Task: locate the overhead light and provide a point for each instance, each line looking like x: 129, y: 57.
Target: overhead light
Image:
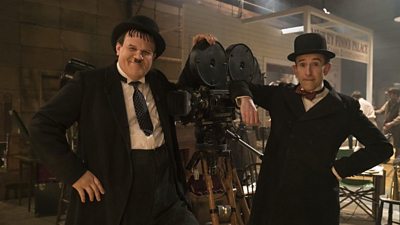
x: 292, y: 30
x: 397, y: 19
x: 326, y: 11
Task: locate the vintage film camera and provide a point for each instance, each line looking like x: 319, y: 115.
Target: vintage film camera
x: 205, y: 101
x: 204, y: 97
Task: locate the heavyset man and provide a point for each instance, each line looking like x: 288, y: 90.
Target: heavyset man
x: 127, y: 169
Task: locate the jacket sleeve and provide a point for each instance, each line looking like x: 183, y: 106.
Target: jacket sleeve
x: 48, y: 132
x: 261, y: 94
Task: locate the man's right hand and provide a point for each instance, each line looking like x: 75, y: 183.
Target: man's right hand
x: 248, y: 111
x: 88, y: 183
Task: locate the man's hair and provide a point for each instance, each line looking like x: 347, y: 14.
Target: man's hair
x: 137, y: 33
x: 394, y: 90
x: 356, y: 94
x: 326, y: 59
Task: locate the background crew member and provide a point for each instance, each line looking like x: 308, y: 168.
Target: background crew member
x: 391, y: 109
x: 366, y: 107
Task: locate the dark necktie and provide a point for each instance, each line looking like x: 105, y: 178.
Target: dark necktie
x: 142, y: 112
x: 306, y: 94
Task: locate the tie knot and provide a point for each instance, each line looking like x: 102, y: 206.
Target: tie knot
x: 135, y: 84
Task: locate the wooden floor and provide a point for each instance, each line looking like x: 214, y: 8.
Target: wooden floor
x: 13, y: 214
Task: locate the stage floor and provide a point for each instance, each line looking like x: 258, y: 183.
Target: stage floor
x: 13, y: 214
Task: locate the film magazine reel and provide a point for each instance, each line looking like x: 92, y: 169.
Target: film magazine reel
x: 218, y: 184
x: 213, y: 66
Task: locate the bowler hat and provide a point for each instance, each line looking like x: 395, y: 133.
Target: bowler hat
x: 141, y: 23
x: 310, y: 43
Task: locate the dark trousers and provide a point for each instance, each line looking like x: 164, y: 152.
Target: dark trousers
x: 153, y: 199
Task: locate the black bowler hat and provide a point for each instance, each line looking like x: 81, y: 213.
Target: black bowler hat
x: 310, y: 43
x: 141, y: 23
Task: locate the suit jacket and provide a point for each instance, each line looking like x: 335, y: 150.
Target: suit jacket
x: 296, y: 176
x: 95, y: 99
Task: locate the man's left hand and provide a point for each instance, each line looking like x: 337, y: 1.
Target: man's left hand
x: 211, y: 39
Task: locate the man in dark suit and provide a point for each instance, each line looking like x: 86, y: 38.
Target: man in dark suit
x: 127, y: 169
x: 299, y: 174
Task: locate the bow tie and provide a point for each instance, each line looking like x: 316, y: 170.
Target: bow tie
x: 306, y: 94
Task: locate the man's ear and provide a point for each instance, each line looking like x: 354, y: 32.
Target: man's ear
x: 117, y: 48
x: 327, y: 68
x: 294, y: 68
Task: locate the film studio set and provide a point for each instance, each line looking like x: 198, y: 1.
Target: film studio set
x: 197, y: 112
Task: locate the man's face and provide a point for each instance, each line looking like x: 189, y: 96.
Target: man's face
x: 310, y: 70
x: 135, y: 55
x: 393, y: 96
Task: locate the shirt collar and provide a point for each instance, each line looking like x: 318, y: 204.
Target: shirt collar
x: 128, y: 80
x: 320, y: 87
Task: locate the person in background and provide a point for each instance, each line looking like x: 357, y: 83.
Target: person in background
x: 366, y: 107
x: 127, y: 169
x: 368, y: 110
x: 309, y: 122
x: 391, y: 124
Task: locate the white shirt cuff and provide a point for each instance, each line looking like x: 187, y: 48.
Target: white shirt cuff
x: 239, y: 98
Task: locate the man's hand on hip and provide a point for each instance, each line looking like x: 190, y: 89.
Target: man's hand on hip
x: 89, y: 183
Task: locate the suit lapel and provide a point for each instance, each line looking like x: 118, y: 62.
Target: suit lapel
x: 115, y: 97
x: 328, y: 105
x: 159, y: 91
x: 294, y: 103
x: 156, y: 92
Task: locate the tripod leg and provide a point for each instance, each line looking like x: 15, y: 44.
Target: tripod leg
x: 211, y: 200
x: 242, y: 201
x: 235, y: 216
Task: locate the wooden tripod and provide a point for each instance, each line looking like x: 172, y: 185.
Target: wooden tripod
x: 239, y: 213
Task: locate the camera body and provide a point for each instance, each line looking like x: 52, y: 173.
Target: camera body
x: 205, y: 105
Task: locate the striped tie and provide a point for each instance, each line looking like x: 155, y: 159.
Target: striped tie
x: 142, y: 112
